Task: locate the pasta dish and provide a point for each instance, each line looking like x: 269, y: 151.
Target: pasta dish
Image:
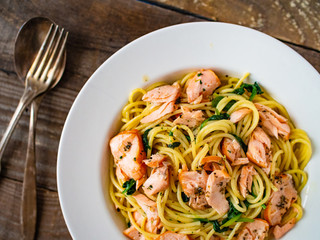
x: 207, y: 157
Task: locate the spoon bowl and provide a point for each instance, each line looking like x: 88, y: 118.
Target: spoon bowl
x: 28, y: 42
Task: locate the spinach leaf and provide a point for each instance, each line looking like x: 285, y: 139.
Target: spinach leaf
x: 242, y: 144
x: 253, y: 88
x: 174, y: 145
x: 184, y: 197
x: 231, y: 221
x: 229, y: 105
x: 145, y: 140
x: 129, y: 187
x: 216, y: 100
x: 215, y: 223
x: 215, y: 117
x: 217, y: 227
x: 188, y: 137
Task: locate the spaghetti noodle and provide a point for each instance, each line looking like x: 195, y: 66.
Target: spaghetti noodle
x: 185, y: 148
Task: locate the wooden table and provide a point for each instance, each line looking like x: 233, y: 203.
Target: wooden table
x: 97, y: 30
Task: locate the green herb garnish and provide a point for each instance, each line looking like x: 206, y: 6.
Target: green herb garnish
x: 145, y: 140
x: 184, y: 197
x: 231, y: 221
x: 129, y: 187
x: 253, y: 88
x: 188, y: 137
x: 174, y: 145
x: 216, y: 100
x: 240, y: 141
x: 170, y: 133
x: 215, y: 117
x: 229, y: 105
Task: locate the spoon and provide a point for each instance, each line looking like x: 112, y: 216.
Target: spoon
x: 28, y: 42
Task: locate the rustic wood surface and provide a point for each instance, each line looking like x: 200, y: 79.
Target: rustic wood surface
x: 97, y: 30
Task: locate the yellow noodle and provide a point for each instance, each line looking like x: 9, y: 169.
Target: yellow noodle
x: 288, y: 156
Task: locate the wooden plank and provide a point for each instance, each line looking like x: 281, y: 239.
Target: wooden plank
x: 50, y: 222
x: 295, y: 21
x: 97, y: 29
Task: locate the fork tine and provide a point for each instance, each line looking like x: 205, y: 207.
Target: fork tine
x: 59, y: 56
x: 35, y: 62
x: 46, y: 54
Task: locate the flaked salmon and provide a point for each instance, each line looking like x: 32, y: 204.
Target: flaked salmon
x: 121, y: 175
x: 231, y: 149
x: 168, y: 235
x: 272, y: 122
x: 240, y: 161
x: 149, y: 207
x: 149, y: 226
x: 194, y: 186
x: 133, y: 234
x: 211, y: 163
x: 245, y: 180
x: 189, y: 117
x: 127, y: 150
x: 163, y: 94
x: 257, y: 230
x: 236, y: 116
x: 215, y: 191
x: 279, y: 231
x: 259, y: 149
x: 165, y: 108
x: 158, y: 180
x: 201, y: 86
x: 280, y: 201
x: 155, y: 160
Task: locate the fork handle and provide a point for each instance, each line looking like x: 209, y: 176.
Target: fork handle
x: 28, y: 216
x: 27, y: 97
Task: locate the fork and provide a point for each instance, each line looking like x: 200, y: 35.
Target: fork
x: 39, y: 77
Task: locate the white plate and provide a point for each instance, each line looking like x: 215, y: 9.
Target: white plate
x: 226, y: 48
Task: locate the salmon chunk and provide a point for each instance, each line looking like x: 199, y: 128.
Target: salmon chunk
x: 215, y: 191
x: 231, y: 149
x: 165, y: 108
x: 194, y: 186
x: 189, y: 118
x: 281, y: 200
x: 211, y: 163
x: 149, y: 226
x: 278, y: 231
x: 201, y: 86
x: 245, y: 181
x: 168, y: 235
x: 121, y: 175
x: 163, y: 94
x: 158, y: 181
x: 149, y: 207
x: 133, y: 234
x: 259, y: 149
x: 240, y: 161
x: 272, y: 122
x: 257, y: 230
x: 127, y: 150
x: 236, y: 116
x: 155, y: 160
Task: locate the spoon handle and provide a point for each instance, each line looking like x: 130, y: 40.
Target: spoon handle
x: 29, y: 189
x: 27, y: 97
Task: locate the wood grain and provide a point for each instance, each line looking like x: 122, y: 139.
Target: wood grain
x: 295, y: 21
x: 97, y: 30
x: 50, y: 223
